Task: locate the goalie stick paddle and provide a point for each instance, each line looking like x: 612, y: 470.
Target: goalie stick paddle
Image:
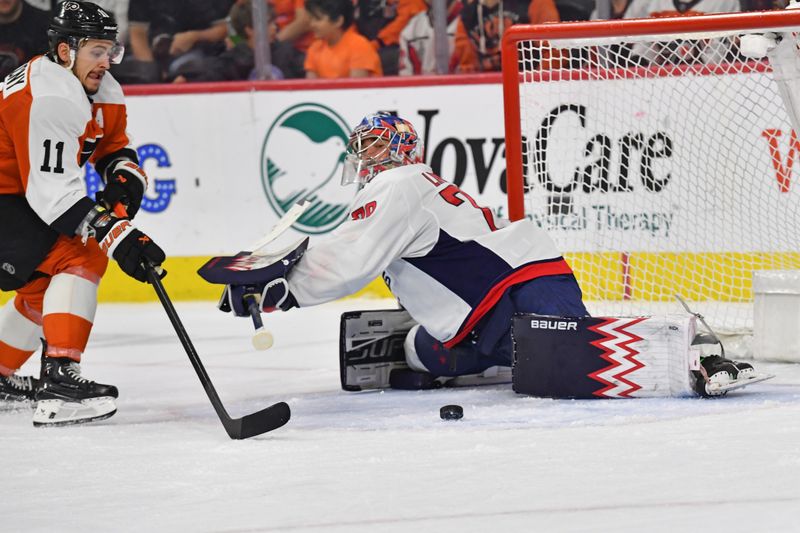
x: 245, y: 427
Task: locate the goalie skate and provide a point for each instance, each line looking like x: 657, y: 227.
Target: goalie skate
x: 720, y: 389
x: 718, y: 376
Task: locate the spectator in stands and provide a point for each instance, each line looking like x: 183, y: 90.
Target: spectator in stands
x: 481, y: 27
x: 339, y: 51
x: 710, y: 50
x: 575, y: 10
x: 171, y: 32
x: 763, y: 5
x: 417, y: 50
x: 238, y: 61
x: 23, y: 34
x: 631, y: 9
x: 381, y: 21
x: 292, y: 37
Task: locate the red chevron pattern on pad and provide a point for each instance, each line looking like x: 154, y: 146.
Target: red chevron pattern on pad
x: 617, y: 346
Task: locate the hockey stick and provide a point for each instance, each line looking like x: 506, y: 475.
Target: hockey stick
x: 245, y: 427
x: 248, y: 426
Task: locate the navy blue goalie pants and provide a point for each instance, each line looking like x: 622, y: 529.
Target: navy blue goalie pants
x: 489, y: 344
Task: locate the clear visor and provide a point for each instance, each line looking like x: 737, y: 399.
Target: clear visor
x: 98, y: 50
x: 364, y: 158
x: 353, y: 170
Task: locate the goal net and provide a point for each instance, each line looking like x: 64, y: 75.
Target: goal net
x: 659, y: 155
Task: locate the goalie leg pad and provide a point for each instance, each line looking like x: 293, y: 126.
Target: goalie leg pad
x: 381, y: 349
x: 604, y: 357
x: 371, y: 346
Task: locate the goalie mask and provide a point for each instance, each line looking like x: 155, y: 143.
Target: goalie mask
x: 381, y: 141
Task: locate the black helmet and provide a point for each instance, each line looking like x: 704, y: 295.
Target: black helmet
x: 74, y: 21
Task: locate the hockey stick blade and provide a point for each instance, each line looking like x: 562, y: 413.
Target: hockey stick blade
x: 263, y: 421
x: 245, y: 427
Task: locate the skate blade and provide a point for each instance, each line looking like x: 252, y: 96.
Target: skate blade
x: 718, y: 389
x: 15, y: 403
x: 62, y: 413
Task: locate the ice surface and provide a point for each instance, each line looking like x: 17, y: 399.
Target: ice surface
x: 384, y: 461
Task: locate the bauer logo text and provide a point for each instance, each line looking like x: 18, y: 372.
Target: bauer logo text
x: 554, y: 324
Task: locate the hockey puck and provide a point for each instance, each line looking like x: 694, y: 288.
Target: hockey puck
x: 451, y: 412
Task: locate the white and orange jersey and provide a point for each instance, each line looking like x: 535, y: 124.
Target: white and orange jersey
x: 50, y: 128
x: 446, y: 259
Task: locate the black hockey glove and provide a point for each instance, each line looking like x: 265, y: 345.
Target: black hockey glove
x: 120, y: 240
x: 125, y: 184
x: 270, y: 297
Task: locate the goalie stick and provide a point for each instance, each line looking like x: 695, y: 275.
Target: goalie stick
x: 265, y: 420
x: 285, y: 222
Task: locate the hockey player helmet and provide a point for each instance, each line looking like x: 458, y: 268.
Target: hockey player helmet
x: 379, y: 142
x: 74, y: 22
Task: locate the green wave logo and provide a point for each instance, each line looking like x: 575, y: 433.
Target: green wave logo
x: 301, y: 158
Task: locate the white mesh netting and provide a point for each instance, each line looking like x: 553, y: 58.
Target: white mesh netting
x: 661, y: 166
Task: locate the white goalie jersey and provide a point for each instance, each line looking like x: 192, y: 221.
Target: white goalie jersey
x: 446, y: 259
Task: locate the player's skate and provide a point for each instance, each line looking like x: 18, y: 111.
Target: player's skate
x: 64, y: 397
x: 17, y: 391
x: 718, y: 375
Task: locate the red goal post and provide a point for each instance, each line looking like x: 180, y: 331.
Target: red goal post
x: 665, y: 166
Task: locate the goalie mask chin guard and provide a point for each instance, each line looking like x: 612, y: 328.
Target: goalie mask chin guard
x: 379, y: 142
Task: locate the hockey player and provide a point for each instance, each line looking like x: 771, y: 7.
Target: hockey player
x: 462, y: 274
x: 57, y: 112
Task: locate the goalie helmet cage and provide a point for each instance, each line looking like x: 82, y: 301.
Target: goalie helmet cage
x: 658, y: 156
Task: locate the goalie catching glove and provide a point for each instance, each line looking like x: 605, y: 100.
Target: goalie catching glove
x: 269, y: 296
x: 119, y: 239
x: 125, y: 184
